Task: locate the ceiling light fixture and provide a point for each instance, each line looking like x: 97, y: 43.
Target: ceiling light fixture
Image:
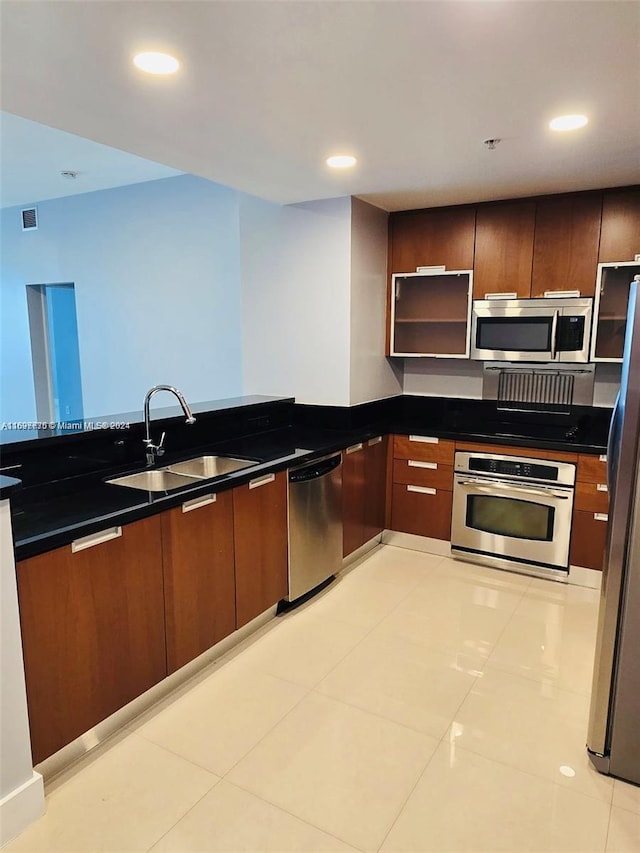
x: 341, y: 161
x: 156, y: 63
x: 572, y: 122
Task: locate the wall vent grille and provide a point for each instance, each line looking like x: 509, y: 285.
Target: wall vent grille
x: 30, y: 219
x: 535, y: 387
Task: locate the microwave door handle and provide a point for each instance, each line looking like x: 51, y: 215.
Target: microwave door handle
x: 554, y: 335
x: 485, y: 487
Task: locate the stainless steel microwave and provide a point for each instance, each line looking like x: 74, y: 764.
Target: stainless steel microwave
x: 531, y: 329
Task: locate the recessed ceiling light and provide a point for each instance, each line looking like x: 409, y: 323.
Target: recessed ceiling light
x: 341, y: 161
x: 156, y: 63
x: 572, y: 122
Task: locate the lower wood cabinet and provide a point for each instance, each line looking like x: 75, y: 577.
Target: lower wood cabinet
x: 363, y: 492
x: 93, y: 635
x: 199, y: 576
x: 422, y: 490
x: 588, y: 539
x: 261, y: 545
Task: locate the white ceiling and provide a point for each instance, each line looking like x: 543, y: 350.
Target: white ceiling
x: 34, y: 155
x: 268, y: 89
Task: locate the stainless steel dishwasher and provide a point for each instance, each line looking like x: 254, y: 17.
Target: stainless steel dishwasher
x: 315, y: 524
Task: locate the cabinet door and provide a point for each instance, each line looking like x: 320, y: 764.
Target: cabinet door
x: 92, y: 631
x: 353, y: 496
x: 261, y: 545
x: 421, y: 510
x: 430, y: 314
x: 504, y: 248
x: 199, y: 577
x: 565, y: 251
x: 612, y: 300
x: 375, y: 487
x: 588, y: 539
x: 620, y: 234
x: 435, y: 237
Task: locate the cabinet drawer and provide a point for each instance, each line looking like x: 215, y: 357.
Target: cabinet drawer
x: 420, y: 512
x: 417, y: 472
x: 588, y: 539
x: 591, y: 497
x: 592, y: 469
x: 423, y: 448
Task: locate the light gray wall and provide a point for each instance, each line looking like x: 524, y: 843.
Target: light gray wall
x: 295, y: 263
x: 156, y: 268
x: 373, y: 375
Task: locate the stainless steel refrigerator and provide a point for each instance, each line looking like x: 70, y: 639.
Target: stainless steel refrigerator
x: 613, y: 740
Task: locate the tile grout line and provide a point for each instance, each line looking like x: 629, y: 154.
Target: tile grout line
x: 182, y: 817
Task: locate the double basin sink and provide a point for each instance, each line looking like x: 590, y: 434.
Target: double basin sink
x: 182, y: 474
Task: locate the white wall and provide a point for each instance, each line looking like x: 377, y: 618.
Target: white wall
x: 373, y: 375
x: 21, y: 789
x: 295, y: 266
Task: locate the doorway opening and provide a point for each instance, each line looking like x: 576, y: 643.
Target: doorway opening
x: 55, y: 352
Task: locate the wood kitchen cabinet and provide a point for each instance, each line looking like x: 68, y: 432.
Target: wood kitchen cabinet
x: 442, y: 236
x: 610, y: 320
x: 566, y: 242
x: 422, y: 490
x: 429, y: 314
x: 590, y: 513
x: 261, y: 545
x: 504, y: 248
x: 93, y: 634
x: 363, y: 492
x: 199, y: 576
x: 620, y: 233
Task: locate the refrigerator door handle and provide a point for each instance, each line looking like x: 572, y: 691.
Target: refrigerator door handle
x: 612, y: 444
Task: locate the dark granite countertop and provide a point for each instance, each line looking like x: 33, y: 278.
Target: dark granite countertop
x: 50, y: 514
x: 8, y: 486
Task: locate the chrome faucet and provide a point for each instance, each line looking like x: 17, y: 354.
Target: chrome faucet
x: 155, y: 450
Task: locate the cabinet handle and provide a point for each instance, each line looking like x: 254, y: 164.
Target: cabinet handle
x: 602, y: 487
x: 414, y: 463
x: 510, y: 295
x: 423, y: 490
x: 602, y: 457
x: 354, y: 448
x: 261, y: 481
x: 95, y: 539
x: 600, y: 516
x: 196, y: 503
x: 373, y: 441
x: 425, y: 439
x: 560, y: 294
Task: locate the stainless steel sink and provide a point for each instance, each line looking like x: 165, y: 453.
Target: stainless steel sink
x: 182, y: 474
x: 205, y: 467
x: 160, y: 480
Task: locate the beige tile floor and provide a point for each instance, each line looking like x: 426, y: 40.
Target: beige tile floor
x: 418, y: 704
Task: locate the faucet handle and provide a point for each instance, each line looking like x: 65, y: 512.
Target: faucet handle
x: 160, y: 447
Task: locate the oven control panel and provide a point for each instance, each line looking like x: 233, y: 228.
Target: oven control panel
x: 528, y: 470
x: 521, y: 468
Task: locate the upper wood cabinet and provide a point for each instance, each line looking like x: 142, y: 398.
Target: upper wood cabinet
x: 441, y: 236
x: 199, y: 577
x: 261, y: 545
x: 92, y: 619
x: 565, y: 250
x: 620, y: 236
x: 430, y: 314
x: 504, y: 248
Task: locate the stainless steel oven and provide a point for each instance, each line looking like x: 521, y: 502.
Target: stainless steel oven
x: 513, y: 512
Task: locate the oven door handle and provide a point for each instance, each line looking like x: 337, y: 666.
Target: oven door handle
x: 486, y: 487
